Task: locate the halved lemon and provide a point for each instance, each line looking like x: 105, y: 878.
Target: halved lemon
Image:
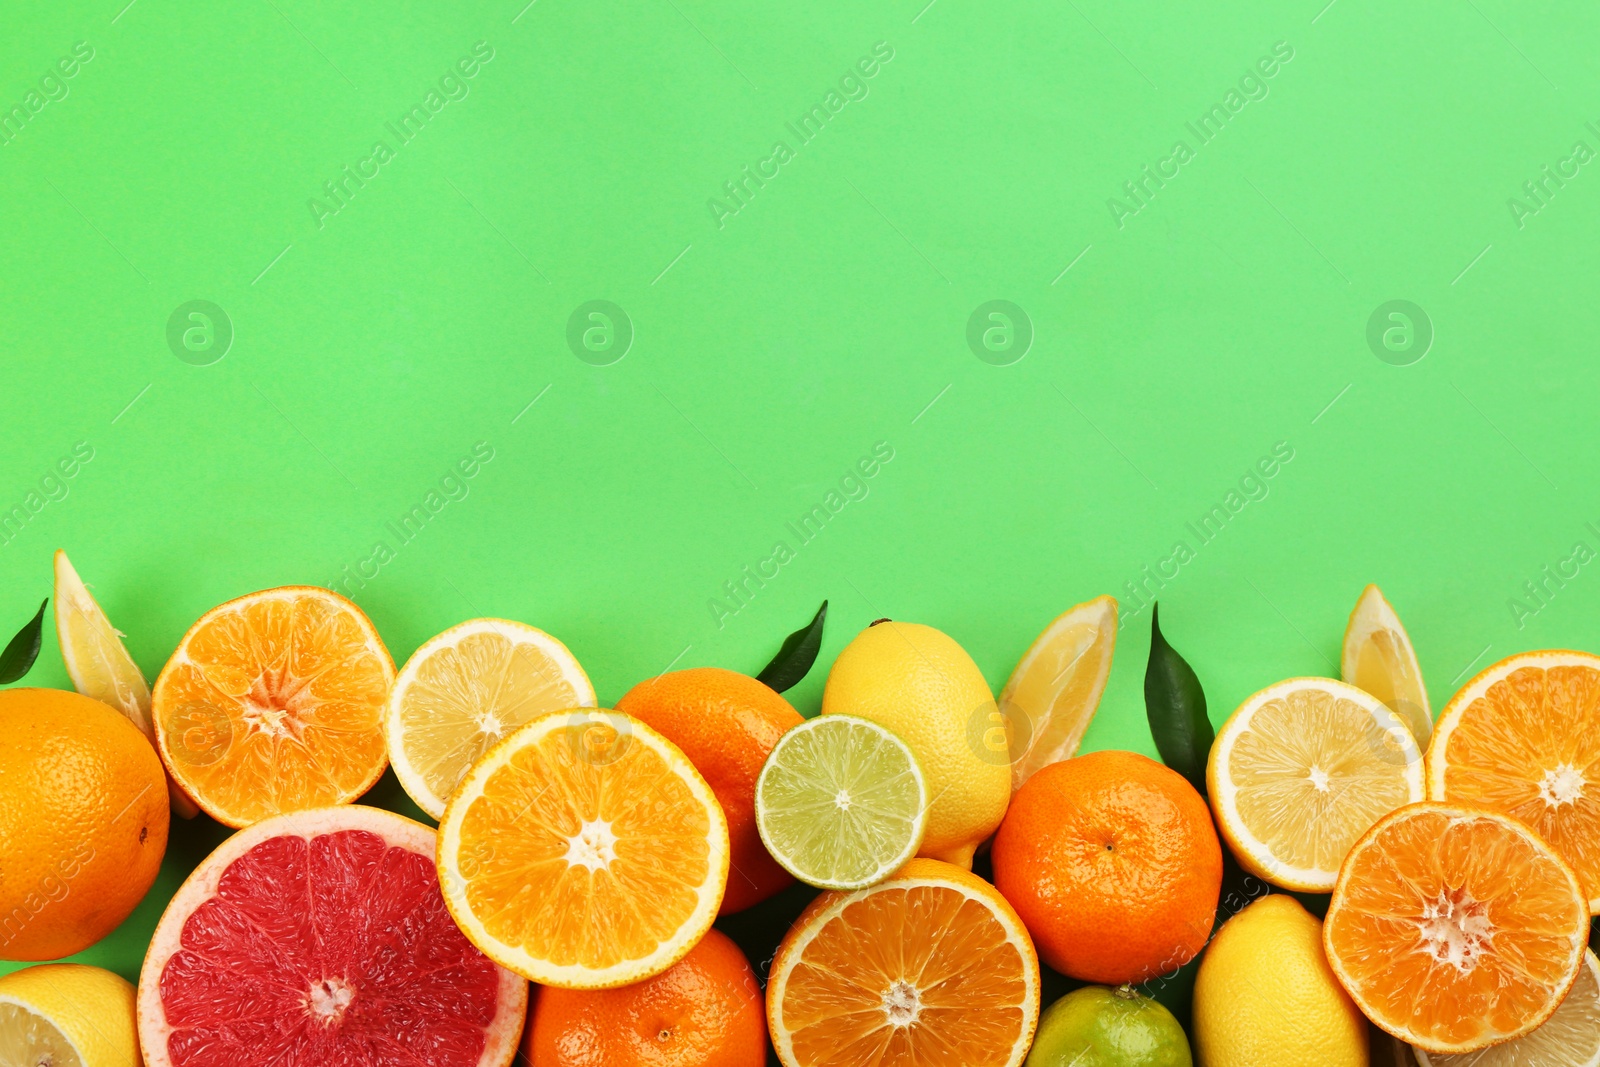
x: 1301, y: 770
x: 931, y: 968
x: 1569, y: 1038
x: 99, y: 665
x: 1378, y: 658
x: 67, y: 1015
x: 841, y: 802
x: 584, y: 851
x: 1523, y: 738
x: 273, y: 703
x: 1455, y: 928
x: 465, y: 690
x: 1052, y: 694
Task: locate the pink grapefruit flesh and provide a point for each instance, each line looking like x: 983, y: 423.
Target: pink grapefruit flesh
x: 320, y: 939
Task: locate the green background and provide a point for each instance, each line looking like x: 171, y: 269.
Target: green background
x: 1173, y: 348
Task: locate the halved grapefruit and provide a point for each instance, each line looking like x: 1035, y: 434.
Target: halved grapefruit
x: 321, y: 938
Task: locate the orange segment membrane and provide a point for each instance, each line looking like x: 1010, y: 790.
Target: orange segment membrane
x: 1456, y: 927
x: 276, y: 707
x: 585, y: 849
x: 917, y: 977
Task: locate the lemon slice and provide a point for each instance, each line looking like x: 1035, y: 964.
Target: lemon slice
x: 464, y: 691
x: 584, y: 851
x: 1301, y: 770
x: 1378, y: 657
x: 841, y: 802
x: 67, y: 1015
x: 1569, y: 1038
x: 1052, y: 695
x: 99, y: 665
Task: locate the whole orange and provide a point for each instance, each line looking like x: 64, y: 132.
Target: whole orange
x: 703, y: 1011
x: 83, y: 821
x: 726, y: 723
x: 1113, y: 863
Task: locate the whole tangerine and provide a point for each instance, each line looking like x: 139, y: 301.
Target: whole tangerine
x: 1114, y: 865
x: 726, y: 723
x: 83, y: 821
x: 703, y: 1011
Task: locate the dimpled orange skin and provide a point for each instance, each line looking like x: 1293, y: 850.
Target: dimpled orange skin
x: 726, y: 723
x: 703, y: 1011
x: 83, y: 821
x: 1113, y: 863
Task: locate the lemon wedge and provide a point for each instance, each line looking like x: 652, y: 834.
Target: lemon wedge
x: 1378, y: 658
x: 1052, y: 695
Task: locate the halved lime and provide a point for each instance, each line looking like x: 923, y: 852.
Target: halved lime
x: 841, y: 802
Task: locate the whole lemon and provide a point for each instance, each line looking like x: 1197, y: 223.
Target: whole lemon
x: 68, y: 1013
x: 922, y: 685
x: 1266, y: 997
x: 83, y: 821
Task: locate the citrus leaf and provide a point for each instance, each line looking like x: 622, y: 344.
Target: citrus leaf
x: 797, y: 655
x: 1176, y: 707
x: 18, y: 657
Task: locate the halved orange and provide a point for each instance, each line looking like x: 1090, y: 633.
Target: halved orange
x: 273, y: 703
x: 1523, y: 737
x: 584, y: 851
x: 1455, y: 928
x: 931, y: 968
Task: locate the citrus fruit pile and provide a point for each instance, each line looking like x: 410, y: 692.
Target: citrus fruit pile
x: 924, y: 859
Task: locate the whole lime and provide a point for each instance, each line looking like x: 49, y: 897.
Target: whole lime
x: 1099, y: 1027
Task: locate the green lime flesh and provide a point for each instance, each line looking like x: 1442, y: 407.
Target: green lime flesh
x: 1099, y: 1027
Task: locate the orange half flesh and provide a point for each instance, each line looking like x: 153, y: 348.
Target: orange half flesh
x: 273, y: 703
x: 1455, y: 929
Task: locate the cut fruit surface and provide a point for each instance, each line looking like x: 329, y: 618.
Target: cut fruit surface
x: 464, y: 691
x: 1379, y: 659
x: 841, y: 802
x: 274, y: 703
x: 99, y: 664
x: 1455, y: 928
x: 584, y: 851
x: 931, y: 968
x: 321, y: 938
x: 1570, y: 1038
x: 67, y: 1015
x: 1052, y: 694
x: 1523, y: 737
x: 1301, y: 770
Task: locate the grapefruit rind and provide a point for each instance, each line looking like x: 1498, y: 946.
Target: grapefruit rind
x: 411, y: 779
x: 1437, y: 759
x: 1255, y: 855
x: 918, y: 873
x: 397, y: 831
x: 576, y: 976
x: 180, y: 659
x: 1337, y: 902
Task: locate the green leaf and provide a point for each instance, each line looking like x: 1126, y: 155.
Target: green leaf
x: 19, y: 655
x: 1176, y: 706
x: 797, y: 655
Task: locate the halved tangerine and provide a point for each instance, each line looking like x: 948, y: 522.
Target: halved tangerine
x: 1455, y: 928
x: 1523, y: 737
x: 584, y: 851
x: 320, y: 938
x: 931, y: 968
x: 274, y: 703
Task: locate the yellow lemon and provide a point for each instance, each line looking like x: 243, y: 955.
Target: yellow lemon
x: 1266, y: 997
x: 67, y: 1014
x: 923, y: 686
